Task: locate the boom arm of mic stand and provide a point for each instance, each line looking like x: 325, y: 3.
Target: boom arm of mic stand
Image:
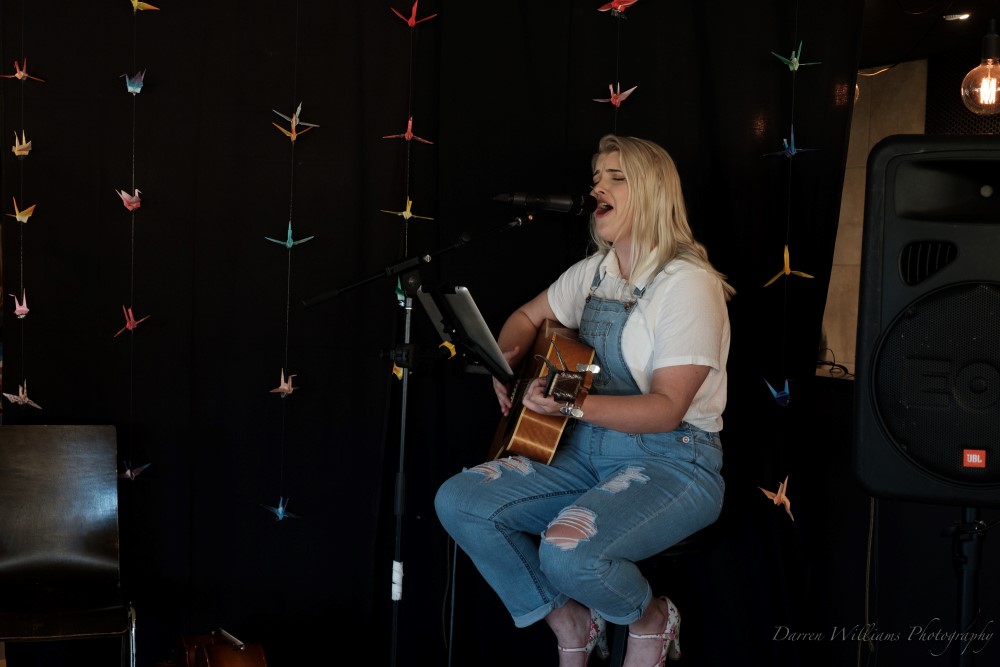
x: 393, y: 269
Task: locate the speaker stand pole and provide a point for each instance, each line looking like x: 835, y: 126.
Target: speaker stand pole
x: 967, y: 549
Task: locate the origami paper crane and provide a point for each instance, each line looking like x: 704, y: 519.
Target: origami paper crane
x: 412, y: 21
x: 616, y: 97
x: 141, y: 6
x: 617, y: 7
x: 281, y: 512
x: 22, y: 396
x: 132, y: 201
x: 130, y: 322
x: 790, y: 150
x: 289, y: 242
x: 294, y: 132
x: 284, y: 388
x: 21, y: 73
x: 21, y: 148
x: 22, y: 216
x: 781, y: 397
x: 131, y: 473
x: 780, y: 498
x: 408, y: 134
x: 787, y: 270
x: 793, y: 60
x: 20, y: 307
x: 133, y: 84
x: 406, y: 215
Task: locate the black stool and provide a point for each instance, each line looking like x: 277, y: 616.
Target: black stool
x: 695, y: 543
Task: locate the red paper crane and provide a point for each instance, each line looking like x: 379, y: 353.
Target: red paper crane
x: 412, y: 21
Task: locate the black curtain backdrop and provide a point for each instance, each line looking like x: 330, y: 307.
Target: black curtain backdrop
x: 504, y: 92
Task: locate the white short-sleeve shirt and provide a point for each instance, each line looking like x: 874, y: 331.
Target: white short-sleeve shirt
x: 682, y: 318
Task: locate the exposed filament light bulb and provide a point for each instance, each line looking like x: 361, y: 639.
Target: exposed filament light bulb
x: 979, y: 87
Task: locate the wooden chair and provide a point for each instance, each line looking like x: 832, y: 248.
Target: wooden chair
x: 60, y: 575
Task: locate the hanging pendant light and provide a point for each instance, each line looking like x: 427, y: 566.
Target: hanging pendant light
x: 979, y: 87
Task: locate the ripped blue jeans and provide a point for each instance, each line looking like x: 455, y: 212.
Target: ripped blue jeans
x: 630, y: 496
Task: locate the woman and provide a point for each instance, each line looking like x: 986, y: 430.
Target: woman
x: 638, y: 467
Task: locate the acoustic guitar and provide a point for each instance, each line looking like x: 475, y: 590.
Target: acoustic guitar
x: 527, y: 433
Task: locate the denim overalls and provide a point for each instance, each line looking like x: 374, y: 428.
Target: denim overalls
x: 633, y: 495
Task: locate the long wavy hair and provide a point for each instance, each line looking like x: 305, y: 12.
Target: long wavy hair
x: 660, y: 229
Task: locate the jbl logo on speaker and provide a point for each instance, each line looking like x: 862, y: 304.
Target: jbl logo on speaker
x: 974, y: 458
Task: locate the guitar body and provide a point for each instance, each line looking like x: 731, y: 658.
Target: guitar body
x: 526, y: 433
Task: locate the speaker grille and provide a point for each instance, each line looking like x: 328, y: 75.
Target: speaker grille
x: 936, y: 382
x: 922, y: 259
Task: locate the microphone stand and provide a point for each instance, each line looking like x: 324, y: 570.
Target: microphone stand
x: 408, y: 271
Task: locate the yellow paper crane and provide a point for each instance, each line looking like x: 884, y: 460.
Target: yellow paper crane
x: 21, y: 147
x: 787, y: 271
x: 407, y: 214
x: 22, y: 216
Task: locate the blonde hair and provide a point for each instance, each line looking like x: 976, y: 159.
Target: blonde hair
x: 660, y: 229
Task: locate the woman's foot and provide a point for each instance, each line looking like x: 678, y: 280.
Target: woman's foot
x: 579, y: 632
x: 655, y: 637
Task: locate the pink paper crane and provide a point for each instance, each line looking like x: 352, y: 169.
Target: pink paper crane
x: 130, y: 322
x: 138, y: 6
x: 21, y: 73
x: 780, y: 498
x: 787, y: 270
x: 413, y: 21
x: 408, y: 135
x: 22, y: 396
x: 285, y: 387
x: 132, y: 201
x: 20, y: 307
x: 616, y: 97
x: 617, y: 7
x: 22, y: 216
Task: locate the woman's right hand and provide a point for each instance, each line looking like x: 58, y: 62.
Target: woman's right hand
x: 502, y: 390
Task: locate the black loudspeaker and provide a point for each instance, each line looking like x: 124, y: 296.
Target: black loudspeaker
x: 927, y: 373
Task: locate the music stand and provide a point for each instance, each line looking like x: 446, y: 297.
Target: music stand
x: 457, y: 319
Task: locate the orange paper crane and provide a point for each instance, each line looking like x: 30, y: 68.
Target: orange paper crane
x: 407, y: 135
x: 787, y: 270
x: 294, y: 132
x: 780, y: 498
x: 413, y: 21
x: 21, y: 73
x: 138, y: 6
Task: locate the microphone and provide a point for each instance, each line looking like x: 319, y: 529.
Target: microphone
x: 572, y: 204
